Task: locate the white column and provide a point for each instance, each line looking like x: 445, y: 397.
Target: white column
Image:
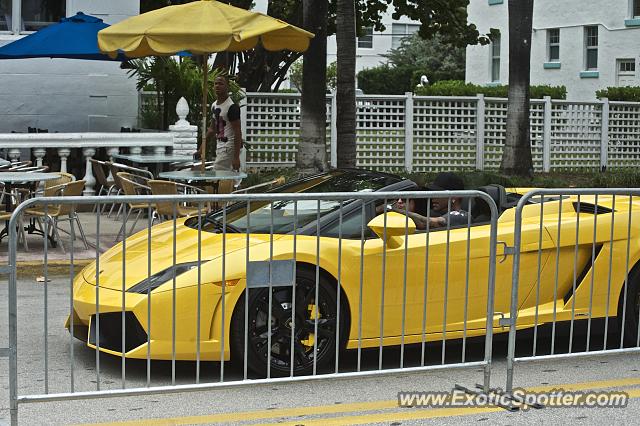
x: 39, y: 153
x: 604, y: 137
x: 408, y: 132
x: 63, y: 153
x: 135, y: 150
x: 480, y: 122
x: 158, y: 150
x: 89, y: 180
x: 14, y: 155
x: 546, y: 139
x: 110, y: 153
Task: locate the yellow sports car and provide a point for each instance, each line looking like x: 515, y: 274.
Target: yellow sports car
x: 161, y: 298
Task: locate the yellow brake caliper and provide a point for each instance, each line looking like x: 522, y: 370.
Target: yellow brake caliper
x: 308, y: 342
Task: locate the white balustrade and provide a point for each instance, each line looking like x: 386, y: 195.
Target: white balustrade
x: 39, y: 153
x: 64, y: 153
x: 89, y: 180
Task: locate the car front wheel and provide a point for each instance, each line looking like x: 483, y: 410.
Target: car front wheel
x: 291, y: 331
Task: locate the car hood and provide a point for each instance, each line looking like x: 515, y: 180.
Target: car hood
x: 137, y: 266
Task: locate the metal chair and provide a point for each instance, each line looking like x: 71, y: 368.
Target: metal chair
x: 106, y: 186
x: 133, y: 185
x: 116, y: 168
x: 57, y: 212
x: 166, y: 209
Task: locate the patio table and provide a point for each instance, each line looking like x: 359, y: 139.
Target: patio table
x: 202, y: 177
x: 12, y: 179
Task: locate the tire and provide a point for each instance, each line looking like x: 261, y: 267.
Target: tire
x: 630, y: 324
x: 281, y: 327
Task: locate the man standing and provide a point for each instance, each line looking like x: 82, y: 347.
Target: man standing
x: 225, y: 125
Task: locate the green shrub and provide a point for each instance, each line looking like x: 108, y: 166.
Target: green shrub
x: 386, y: 80
x: 628, y: 93
x: 460, y: 88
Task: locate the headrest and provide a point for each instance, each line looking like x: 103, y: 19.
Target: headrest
x: 497, y: 193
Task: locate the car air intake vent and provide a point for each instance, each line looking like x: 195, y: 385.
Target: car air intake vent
x: 590, y: 208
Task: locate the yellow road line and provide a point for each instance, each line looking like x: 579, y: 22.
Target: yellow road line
x: 359, y: 406
x: 415, y: 414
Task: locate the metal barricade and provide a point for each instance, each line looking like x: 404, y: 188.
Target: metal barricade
x: 575, y: 274
x: 287, y: 286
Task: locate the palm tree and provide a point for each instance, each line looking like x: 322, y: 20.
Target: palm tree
x: 516, y: 158
x: 346, y: 85
x: 311, y: 156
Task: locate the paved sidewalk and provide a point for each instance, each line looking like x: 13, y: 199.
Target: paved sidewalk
x: 109, y: 227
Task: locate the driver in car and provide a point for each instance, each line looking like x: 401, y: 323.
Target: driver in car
x: 442, y: 212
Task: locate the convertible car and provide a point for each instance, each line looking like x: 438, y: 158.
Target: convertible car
x: 259, y: 247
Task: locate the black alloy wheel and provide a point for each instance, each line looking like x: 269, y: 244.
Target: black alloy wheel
x: 285, y: 323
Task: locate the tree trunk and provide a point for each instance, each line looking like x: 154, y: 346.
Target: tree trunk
x: 311, y: 156
x: 346, y: 82
x: 516, y: 158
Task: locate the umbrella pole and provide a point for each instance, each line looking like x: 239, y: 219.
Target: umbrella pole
x: 205, y: 90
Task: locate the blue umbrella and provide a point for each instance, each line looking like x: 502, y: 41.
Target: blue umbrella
x: 75, y: 37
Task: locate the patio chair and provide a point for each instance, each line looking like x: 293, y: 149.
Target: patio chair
x: 60, y: 212
x: 133, y: 185
x: 106, y: 186
x: 116, y: 168
x: 166, y: 209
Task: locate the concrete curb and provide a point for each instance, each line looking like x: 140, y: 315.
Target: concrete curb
x: 54, y: 267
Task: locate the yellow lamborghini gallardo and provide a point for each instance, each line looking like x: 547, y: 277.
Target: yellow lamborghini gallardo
x: 348, y: 282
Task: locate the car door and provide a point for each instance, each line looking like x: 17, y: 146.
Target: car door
x: 451, y: 278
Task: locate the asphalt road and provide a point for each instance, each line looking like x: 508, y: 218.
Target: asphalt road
x: 347, y: 401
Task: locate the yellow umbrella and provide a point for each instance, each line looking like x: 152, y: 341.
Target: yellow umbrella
x: 200, y: 27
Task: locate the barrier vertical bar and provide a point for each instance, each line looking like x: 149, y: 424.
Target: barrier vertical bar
x: 13, y: 322
x: 513, y: 311
x: 480, y: 119
x: 488, y: 345
x: 408, y: 132
x: 426, y: 284
x: 362, y: 212
x: 46, y: 296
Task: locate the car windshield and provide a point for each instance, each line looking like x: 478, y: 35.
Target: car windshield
x: 281, y: 213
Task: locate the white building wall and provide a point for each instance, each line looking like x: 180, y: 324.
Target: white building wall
x: 382, y: 43
x: 617, y: 39
x: 67, y: 95
x: 365, y: 58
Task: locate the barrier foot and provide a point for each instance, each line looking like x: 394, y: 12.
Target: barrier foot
x: 513, y: 398
x: 492, y: 397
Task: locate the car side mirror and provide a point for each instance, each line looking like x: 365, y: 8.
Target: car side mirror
x: 397, y: 227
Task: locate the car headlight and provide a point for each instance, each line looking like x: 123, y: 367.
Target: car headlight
x: 156, y: 280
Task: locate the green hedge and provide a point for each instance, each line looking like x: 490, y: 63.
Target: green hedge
x: 460, y: 88
x: 628, y: 94
x: 386, y: 80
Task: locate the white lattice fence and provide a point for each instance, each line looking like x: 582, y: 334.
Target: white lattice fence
x: 272, y: 129
x: 495, y: 132
x: 495, y: 124
x: 623, y: 150
x: 441, y: 133
x: 576, y: 131
x: 380, y: 132
x: 444, y: 133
